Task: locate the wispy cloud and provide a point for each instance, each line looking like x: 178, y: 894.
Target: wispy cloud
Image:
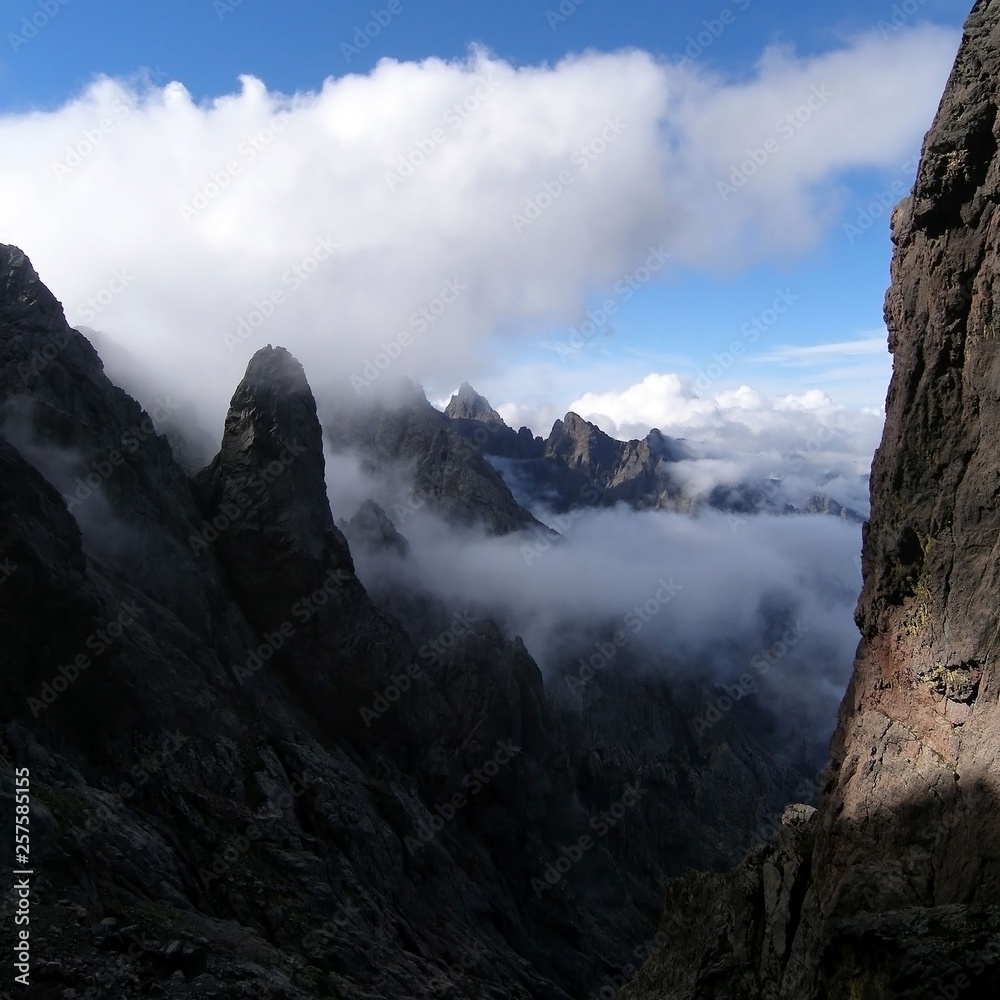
x: 824, y: 354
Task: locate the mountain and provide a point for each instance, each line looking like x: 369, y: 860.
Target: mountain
x: 579, y: 465
x: 443, y: 469
x: 250, y: 776
x: 467, y: 404
x: 892, y: 888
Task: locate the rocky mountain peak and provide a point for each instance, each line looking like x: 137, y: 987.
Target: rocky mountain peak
x: 20, y: 285
x: 467, y: 404
x: 373, y: 529
x: 276, y: 369
x: 268, y: 483
x: 273, y: 406
x: 37, y: 346
x: 660, y: 446
x: 584, y: 446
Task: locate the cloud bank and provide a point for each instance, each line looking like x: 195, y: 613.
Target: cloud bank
x: 694, y: 596
x: 463, y: 204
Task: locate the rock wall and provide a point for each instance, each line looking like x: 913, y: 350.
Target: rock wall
x: 903, y: 856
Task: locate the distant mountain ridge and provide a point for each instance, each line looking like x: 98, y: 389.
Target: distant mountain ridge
x: 471, y: 465
x: 579, y: 464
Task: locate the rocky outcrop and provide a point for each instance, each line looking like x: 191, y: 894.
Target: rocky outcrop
x: 406, y: 437
x: 467, y: 404
x: 739, y: 926
x: 472, y: 417
x: 914, y: 753
x: 584, y: 447
x: 371, y: 528
x: 903, y: 899
x: 820, y: 503
x: 578, y: 465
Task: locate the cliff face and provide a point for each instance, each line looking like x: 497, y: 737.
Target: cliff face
x: 916, y: 748
x: 893, y: 887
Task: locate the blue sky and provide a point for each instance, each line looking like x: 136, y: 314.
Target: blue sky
x: 294, y: 45
x: 723, y: 275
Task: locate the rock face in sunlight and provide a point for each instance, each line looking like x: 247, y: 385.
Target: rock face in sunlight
x: 250, y: 778
x: 892, y: 889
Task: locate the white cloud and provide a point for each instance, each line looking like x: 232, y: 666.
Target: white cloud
x: 823, y: 354
x: 730, y: 581
x: 98, y: 188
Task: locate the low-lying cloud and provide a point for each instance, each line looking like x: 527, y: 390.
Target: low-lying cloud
x: 700, y: 596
